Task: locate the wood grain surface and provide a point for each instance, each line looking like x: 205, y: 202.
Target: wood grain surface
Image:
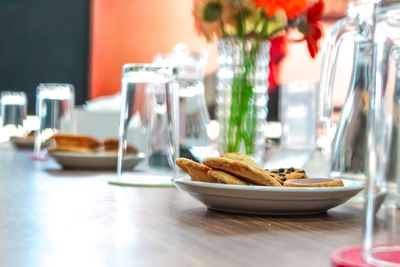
x: 52, y: 217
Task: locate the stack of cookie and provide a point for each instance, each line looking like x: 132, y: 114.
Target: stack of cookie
x: 239, y: 169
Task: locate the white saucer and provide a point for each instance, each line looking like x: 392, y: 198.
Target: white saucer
x: 94, y: 161
x: 22, y: 142
x: 268, y: 200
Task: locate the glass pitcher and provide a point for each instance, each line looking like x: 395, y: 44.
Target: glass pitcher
x: 347, y: 150
x: 193, y: 115
x: 357, y: 12
x: 348, y: 145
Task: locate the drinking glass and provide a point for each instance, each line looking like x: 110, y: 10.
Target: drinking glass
x: 55, y: 111
x: 148, y: 121
x: 381, y: 243
x: 298, y: 108
x: 13, y: 109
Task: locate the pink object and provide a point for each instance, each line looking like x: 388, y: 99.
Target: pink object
x: 38, y: 157
x: 388, y: 253
x: 351, y: 256
x: 348, y: 257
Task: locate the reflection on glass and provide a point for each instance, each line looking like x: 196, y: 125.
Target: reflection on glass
x: 54, y: 108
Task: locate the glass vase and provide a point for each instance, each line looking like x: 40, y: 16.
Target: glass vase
x: 242, y: 95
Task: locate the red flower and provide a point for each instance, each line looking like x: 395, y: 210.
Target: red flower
x: 313, y: 29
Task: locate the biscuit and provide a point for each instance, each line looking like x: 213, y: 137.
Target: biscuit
x: 241, y: 170
x: 314, y: 182
x: 224, y: 177
x: 197, y: 171
x: 72, y: 140
x: 284, y: 174
x: 112, y: 145
x: 73, y: 149
x: 241, y: 157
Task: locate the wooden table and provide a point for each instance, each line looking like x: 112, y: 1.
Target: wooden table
x: 51, y: 217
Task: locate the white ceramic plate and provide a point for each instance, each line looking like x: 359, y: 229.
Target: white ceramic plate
x: 24, y: 142
x: 94, y: 161
x: 268, y: 200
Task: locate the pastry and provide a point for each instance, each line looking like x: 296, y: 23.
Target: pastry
x: 241, y: 157
x: 112, y: 145
x: 72, y: 140
x: 225, y: 178
x: 314, y: 182
x: 241, y: 170
x: 197, y: 171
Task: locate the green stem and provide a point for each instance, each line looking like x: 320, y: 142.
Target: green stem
x: 222, y: 27
x: 251, y: 114
x: 234, y: 116
x: 242, y: 121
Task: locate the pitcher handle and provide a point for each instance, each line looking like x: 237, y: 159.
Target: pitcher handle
x: 341, y: 29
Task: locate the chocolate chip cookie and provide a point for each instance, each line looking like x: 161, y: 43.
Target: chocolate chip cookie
x: 284, y: 174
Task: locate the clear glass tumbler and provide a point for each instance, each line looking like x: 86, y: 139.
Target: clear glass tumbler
x: 55, y: 111
x: 13, y: 110
x: 149, y: 122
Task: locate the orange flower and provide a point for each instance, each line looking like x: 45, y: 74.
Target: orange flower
x: 292, y: 8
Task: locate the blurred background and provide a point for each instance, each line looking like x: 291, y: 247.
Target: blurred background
x: 86, y: 42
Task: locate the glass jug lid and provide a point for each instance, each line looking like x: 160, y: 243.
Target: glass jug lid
x: 187, y: 65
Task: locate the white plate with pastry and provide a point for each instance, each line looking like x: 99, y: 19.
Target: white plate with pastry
x: 73, y: 151
x: 23, y: 142
x: 268, y: 200
x: 26, y: 142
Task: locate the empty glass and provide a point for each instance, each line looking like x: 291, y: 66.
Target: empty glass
x: 55, y: 111
x: 381, y: 244
x: 298, y: 110
x: 13, y: 110
x: 148, y: 121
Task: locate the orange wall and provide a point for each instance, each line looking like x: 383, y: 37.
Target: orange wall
x: 134, y: 31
